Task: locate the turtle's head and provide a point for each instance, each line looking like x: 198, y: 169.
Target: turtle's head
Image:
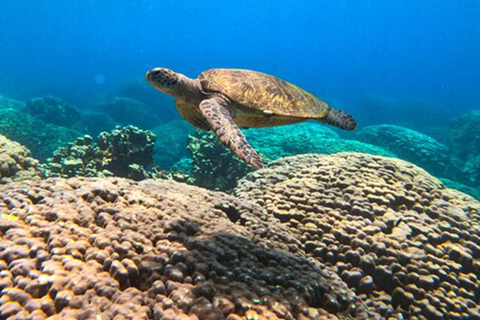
x: 164, y: 80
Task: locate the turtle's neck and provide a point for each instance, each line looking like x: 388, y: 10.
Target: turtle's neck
x: 189, y: 90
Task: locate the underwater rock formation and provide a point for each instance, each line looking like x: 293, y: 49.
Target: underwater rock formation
x: 465, y: 135
x: 53, y: 110
x: 41, y: 138
x: 126, y: 146
x: 408, y: 246
x: 215, y: 167
x: 128, y: 111
x: 123, y: 152
x: 111, y: 248
x: 410, y: 145
x: 172, y: 142
x: 16, y: 162
x: 465, y: 144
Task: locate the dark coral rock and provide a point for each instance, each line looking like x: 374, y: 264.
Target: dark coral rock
x: 127, y: 145
x: 53, y: 110
x: 214, y: 166
x: 124, y: 152
x: 410, y: 237
x: 195, y: 263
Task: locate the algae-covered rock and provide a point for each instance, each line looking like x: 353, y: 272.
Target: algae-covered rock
x: 16, y: 162
x: 53, y: 110
x: 115, y: 249
x: 410, y: 145
x: 41, y: 138
x: 407, y: 245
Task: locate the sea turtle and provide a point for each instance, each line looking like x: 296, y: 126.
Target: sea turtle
x: 223, y: 100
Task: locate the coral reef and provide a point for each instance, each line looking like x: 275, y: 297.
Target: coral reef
x: 128, y: 111
x: 215, y: 167
x: 126, y: 146
x: 123, y: 152
x: 408, y: 246
x: 16, y: 162
x: 53, y: 110
x: 412, y: 146
x: 41, y: 138
x: 172, y: 143
x: 114, y: 249
x: 278, y: 142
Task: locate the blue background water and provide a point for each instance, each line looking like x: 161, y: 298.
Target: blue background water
x: 343, y: 51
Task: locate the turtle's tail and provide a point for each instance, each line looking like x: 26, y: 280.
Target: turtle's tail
x: 340, y: 119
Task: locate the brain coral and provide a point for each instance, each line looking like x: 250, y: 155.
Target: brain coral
x: 95, y: 248
x: 16, y: 162
x: 407, y: 245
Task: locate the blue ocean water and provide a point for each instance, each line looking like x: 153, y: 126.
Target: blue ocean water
x: 343, y: 51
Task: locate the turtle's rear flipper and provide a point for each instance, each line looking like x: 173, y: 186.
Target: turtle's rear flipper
x: 340, y: 119
x: 217, y: 115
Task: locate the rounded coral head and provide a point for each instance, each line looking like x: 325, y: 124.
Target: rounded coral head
x: 163, y: 79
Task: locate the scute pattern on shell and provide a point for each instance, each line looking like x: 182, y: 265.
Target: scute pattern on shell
x: 263, y: 92
x: 406, y: 244
x: 91, y: 248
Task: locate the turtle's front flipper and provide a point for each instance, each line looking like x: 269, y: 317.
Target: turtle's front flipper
x: 217, y: 115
